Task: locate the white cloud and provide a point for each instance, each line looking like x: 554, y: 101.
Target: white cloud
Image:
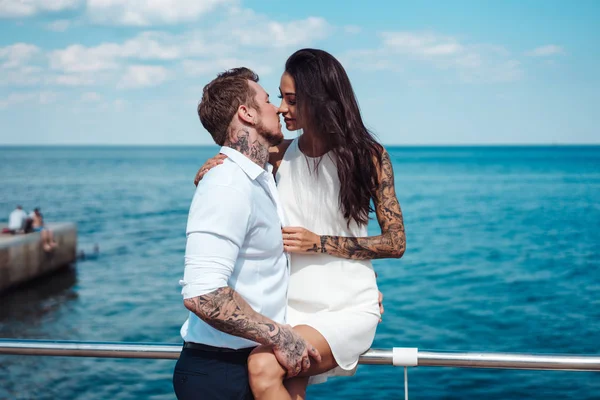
x: 60, y: 25
x: 77, y: 58
x: 139, y: 76
x: 503, y: 71
x: 214, y: 66
x: 24, y: 76
x: 27, y: 8
x: 545, y: 51
x: 144, y: 59
x: 212, y: 49
x: 17, y: 55
x: 91, y: 97
x: 120, y: 104
x: 74, y: 79
x: 148, y: 46
x: 109, y: 56
x: 28, y: 97
x: 148, y: 12
x: 295, y: 33
x: 420, y: 50
x: 420, y: 44
x: 117, y: 12
x: 15, y: 68
x: 251, y: 29
x: 260, y: 45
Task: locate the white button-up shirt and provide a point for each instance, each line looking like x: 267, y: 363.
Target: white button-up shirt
x: 16, y: 220
x: 234, y: 239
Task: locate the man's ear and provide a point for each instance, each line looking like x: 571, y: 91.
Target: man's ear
x: 246, y: 114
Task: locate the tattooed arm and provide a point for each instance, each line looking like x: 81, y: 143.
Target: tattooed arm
x: 390, y: 244
x: 226, y: 311
x: 218, y: 224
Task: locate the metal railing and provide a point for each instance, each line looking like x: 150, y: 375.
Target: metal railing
x: 405, y: 357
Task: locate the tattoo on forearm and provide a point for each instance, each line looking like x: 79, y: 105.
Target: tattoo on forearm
x: 256, y: 151
x: 392, y: 241
x: 360, y: 248
x: 314, y: 249
x: 227, y: 311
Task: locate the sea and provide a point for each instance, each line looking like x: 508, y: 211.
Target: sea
x: 503, y: 255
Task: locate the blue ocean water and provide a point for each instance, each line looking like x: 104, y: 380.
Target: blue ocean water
x: 503, y: 254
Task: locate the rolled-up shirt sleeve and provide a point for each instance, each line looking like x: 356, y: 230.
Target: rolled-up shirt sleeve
x: 216, y: 230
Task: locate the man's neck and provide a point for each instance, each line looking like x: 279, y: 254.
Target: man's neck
x: 247, y: 141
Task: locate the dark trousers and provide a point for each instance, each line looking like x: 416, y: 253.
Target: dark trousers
x: 219, y: 374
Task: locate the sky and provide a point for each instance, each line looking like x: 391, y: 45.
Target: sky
x: 131, y: 72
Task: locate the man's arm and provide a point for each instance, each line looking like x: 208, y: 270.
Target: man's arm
x: 217, y: 228
x: 227, y: 311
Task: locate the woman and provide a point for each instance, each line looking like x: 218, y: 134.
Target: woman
x: 326, y: 179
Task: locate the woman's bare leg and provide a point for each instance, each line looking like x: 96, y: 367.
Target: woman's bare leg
x: 51, y: 241
x: 45, y: 240
x: 312, y: 336
x: 296, y: 387
x: 267, y: 375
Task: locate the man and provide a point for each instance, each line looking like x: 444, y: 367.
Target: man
x: 236, y: 273
x: 16, y: 220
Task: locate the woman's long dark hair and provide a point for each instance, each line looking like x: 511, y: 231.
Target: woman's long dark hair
x: 327, y: 107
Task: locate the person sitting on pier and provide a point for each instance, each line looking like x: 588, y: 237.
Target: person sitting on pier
x: 17, y: 220
x: 48, y: 242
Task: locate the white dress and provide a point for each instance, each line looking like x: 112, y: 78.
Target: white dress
x: 336, y: 296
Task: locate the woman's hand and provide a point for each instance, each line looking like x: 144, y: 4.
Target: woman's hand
x: 381, y: 310
x: 208, y: 165
x: 300, y: 240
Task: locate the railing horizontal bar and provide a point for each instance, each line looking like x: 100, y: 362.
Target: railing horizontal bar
x: 510, y: 361
x: 90, y: 349
x: 373, y: 356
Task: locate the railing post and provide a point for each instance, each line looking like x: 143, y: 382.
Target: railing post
x: 405, y: 383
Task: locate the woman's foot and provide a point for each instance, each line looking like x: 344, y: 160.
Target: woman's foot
x: 47, y: 247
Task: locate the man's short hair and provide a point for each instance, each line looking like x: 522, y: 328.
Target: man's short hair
x: 221, y: 99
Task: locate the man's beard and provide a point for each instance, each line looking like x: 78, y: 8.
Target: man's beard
x: 273, y: 138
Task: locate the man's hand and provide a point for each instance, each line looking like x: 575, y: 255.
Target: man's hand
x: 300, y: 240
x: 293, y: 352
x: 208, y: 165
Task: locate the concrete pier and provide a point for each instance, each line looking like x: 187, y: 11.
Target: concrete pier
x: 22, y: 257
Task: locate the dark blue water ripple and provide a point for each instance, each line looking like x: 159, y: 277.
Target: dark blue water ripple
x: 503, y: 255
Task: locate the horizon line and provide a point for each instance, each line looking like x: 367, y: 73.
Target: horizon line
x: 389, y: 145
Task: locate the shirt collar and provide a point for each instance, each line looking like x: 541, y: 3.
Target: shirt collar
x: 248, y: 166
